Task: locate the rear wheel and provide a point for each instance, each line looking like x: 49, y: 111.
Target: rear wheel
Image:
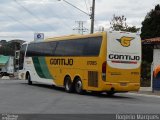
x: 68, y: 85
x: 96, y: 92
x: 29, y: 79
x: 110, y: 93
x: 78, y: 86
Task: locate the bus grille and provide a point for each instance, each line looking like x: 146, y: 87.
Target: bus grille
x: 93, y: 78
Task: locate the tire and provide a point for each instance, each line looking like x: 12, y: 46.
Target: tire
x: 68, y: 85
x: 96, y: 92
x: 29, y: 79
x: 78, y: 86
x: 110, y: 93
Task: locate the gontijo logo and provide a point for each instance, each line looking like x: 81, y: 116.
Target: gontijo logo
x: 125, y: 41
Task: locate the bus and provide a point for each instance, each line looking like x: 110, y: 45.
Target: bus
x: 100, y: 62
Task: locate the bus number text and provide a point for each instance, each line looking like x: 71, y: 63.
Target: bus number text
x: 91, y: 62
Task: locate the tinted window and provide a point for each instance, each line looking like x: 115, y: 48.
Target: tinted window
x: 70, y: 48
x: 93, y: 46
x: 41, y: 49
x: 79, y: 47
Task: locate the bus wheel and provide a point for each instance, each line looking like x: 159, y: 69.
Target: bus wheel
x: 78, y: 86
x: 110, y: 93
x: 68, y: 84
x: 96, y: 92
x: 29, y: 79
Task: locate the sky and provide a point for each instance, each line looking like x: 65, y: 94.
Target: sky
x: 20, y: 19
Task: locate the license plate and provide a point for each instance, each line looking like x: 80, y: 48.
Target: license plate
x: 123, y: 84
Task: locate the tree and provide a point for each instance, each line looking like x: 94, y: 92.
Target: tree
x: 151, y: 24
x: 150, y: 29
x: 119, y: 23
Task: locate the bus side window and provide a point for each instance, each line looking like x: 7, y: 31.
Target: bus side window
x: 41, y: 49
x: 93, y: 46
x: 70, y: 48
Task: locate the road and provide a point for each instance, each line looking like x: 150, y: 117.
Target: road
x: 16, y: 96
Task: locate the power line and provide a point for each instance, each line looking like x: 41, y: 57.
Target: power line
x: 7, y: 36
x: 57, y: 15
x: 11, y: 17
x: 86, y: 6
x: 89, y: 2
x: 49, y: 11
x: 90, y: 15
x: 69, y: 10
x: 70, y: 14
x: 26, y: 9
x: 76, y: 7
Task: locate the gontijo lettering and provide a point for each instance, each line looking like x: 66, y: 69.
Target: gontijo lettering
x: 61, y: 61
x: 123, y: 57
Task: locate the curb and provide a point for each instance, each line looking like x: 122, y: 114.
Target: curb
x: 145, y: 95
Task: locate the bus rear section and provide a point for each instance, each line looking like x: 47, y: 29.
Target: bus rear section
x: 123, y: 62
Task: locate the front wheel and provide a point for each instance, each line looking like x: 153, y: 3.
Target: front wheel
x: 79, y: 86
x: 29, y: 79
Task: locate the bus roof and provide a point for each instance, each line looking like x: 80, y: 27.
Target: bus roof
x: 74, y: 36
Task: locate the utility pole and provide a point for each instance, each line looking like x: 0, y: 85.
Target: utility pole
x: 81, y: 29
x: 92, y: 16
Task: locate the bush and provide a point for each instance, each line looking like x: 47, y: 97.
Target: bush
x: 145, y: 74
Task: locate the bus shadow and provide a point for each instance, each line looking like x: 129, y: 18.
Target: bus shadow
x: 91, y: 94
x: 51, y: 87
x: 104, y: 95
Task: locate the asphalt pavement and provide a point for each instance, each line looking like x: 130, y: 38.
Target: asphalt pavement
x: 16, y: 96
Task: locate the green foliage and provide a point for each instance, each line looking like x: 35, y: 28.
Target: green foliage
x: 119, y: 23
x: 7, y: 49
x: 151, y: 24
x: 145, y: 74
x: 150, y: 29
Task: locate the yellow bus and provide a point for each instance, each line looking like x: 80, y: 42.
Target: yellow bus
x: 101, y: 62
